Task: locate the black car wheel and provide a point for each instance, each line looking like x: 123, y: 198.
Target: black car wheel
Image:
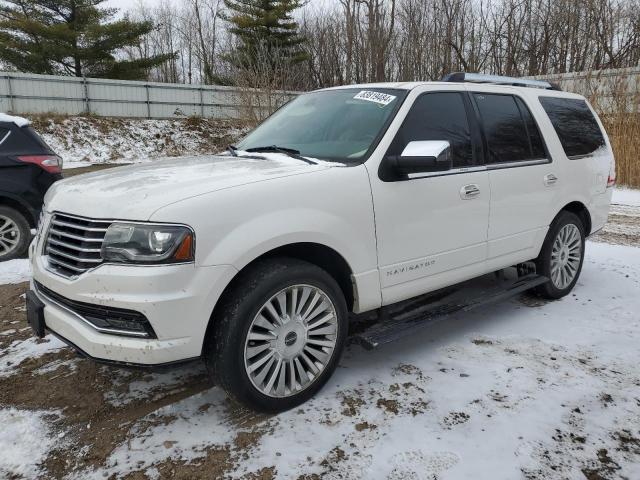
x: 278, y: 334
x: 15, y: 234
x: 562, y: 256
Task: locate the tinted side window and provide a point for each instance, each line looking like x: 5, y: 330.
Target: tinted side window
x: 575, y: 125
x: 504, y: 128
x: 535, y: 138
x: 31, y: 134
x: 438, y: 116
x: 3, y: 134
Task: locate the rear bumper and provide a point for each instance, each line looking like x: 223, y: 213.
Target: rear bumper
x: 177, y: 300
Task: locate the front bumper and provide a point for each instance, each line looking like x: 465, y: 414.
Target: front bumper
x: 177, y: 300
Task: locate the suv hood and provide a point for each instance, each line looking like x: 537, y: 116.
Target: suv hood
x: 136, y: 192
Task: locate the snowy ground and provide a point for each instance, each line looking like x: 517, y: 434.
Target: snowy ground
x: 525, y: 389
x: 84, y: 141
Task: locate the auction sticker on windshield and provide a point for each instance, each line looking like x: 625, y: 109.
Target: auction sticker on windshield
x: 376, y: 97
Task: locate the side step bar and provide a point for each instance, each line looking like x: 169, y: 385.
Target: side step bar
x: 398, y: 321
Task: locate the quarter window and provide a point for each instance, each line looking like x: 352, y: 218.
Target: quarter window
x: 438, y: 116
x: 3, y: 135
x: 573, y: 121
x: 511, y: 132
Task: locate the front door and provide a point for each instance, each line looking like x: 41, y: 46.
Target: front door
x: 432, y: 228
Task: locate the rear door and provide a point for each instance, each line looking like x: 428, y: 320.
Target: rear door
x: 432, y: 228
x: 524, y: 181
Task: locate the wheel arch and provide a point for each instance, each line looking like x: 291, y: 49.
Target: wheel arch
x: 13, y: 202
x: 317, y: 254
x: 580, y: 209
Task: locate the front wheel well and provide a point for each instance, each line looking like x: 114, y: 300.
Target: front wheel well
x: 579, y: 209
x: 320, y: 255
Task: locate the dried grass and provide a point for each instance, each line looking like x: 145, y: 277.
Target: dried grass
x: 624, y: 134
x: 620, y: 114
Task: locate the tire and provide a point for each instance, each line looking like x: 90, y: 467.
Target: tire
x: 254, y: 306
x: 15, y: 234
x: 562, y: 256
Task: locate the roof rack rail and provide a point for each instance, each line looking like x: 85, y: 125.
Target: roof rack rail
x: 499, y: 80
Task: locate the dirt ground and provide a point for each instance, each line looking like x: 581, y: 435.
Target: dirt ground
x: 100, y: 408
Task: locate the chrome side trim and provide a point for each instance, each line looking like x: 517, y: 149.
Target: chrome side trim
x: 453, y: 171
x: 127, y: 333
x: 524, y: 163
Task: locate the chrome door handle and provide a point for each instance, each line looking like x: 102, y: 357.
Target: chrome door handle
x: 469, y: 191
x: 550, y: 179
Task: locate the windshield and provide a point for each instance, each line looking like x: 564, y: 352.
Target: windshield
x: 332, y: 125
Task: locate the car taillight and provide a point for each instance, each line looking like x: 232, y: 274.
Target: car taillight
x: 50, y: 163
x: 611, y: 181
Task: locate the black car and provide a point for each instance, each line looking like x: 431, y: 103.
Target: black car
x: 28, y: 167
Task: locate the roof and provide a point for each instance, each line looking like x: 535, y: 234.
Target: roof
x: 19, y: 121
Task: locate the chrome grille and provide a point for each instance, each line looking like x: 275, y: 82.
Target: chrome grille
x: 73, y: 244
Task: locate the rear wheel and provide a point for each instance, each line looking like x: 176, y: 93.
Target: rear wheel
x: 15, y: 234
x: 278, y: 335
x: 562, y: 256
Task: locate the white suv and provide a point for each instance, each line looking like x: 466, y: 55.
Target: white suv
x: 346, y: 200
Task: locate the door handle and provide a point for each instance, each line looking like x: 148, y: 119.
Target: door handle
x: 469, y: 192
x: 550, y: 179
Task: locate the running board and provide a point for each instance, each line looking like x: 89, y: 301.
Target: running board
x: 401, y: 320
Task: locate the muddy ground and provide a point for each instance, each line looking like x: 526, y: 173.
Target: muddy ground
x: 95, y: 409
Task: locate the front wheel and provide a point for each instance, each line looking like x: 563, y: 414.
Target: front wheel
x: 278, y: 335
x: 562, y: 256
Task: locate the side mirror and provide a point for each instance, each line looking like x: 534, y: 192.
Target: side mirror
x: 424, y: 156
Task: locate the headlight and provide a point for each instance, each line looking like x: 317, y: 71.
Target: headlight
x: 140, y: 243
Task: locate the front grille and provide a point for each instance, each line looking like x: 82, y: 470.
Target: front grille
x: 111, y: 320
x: 73, y: 244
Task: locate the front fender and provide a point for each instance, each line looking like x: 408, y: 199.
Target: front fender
x: 332, y: 207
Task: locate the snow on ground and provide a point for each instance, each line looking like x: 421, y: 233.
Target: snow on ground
x: 25, y: 441
x: 21, y: 350
x: 15, y: 271
x: 626, y: 196
x: 84, y: 141
x: 521, y: 389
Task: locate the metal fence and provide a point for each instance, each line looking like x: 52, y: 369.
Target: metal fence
x: 24, y: 93
x: 611, y: 90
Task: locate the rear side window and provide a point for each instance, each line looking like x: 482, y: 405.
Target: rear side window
x: 510, y: 130
x: 535, y: 138
x: 438, y: 116
x: 4, y: 132
x: 31, y: 134
x: 577, y: 128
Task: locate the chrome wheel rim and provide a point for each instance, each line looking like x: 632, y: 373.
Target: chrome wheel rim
x: 291, y: 341
x: 9, y: 236
x: 566, y: 255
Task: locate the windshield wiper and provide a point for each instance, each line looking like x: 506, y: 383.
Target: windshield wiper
x: 233, y: 150
x: 291, y: 152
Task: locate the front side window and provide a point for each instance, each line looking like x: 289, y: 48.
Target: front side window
x: 341, y: 125
x: 573, y: 121
x: 511, y: 133
x: 438, y: 116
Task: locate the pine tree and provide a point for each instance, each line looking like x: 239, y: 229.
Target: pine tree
x: 71, y: 37
x: 267, y: 32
